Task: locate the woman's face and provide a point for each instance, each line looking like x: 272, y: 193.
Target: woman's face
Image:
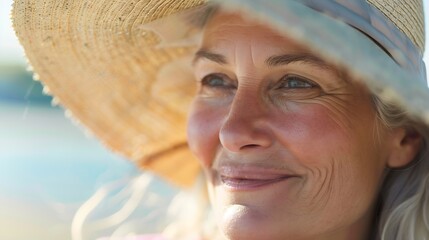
x: 291, y: 148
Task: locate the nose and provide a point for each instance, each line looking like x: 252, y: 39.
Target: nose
x: 246, y: 125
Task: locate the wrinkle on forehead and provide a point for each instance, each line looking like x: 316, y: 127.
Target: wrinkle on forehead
x: 227, y: 23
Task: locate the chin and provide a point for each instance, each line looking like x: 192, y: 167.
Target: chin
x: 239, y: 222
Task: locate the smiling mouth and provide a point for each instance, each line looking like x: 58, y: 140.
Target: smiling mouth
x: 243, y: 184
x: 247, y: 178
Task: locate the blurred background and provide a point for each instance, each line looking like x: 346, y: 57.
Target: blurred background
x: 48, y: 167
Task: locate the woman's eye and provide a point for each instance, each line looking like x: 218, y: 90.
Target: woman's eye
x: 294, y: 82
x: 217, y: 85
x: 216, y: 81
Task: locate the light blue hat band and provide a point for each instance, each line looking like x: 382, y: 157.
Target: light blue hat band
x: 369, y: 20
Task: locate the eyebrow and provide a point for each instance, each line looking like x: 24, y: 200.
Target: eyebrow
x: 214, y: 57
x: 285, y: 59
x: 273, y: 61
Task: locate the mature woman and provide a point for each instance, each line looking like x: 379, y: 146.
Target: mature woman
x: 309, y: 119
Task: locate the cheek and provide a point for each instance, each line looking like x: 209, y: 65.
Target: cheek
x: 311, y: 130
x: 203, y: 131
x: 335, y: 152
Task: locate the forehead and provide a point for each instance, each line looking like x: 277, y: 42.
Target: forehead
x: 232, y: 38
x: 224, y: 28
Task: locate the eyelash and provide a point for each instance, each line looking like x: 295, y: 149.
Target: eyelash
x: 288, y: 78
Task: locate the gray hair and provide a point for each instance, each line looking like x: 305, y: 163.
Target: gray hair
x: 403, y: 210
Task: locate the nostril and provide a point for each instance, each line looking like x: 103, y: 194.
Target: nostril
x: 250, y: 146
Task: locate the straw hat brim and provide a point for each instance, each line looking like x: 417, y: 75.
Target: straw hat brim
x: 111, y: 74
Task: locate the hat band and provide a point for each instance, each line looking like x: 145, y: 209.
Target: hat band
x: 369, y: 20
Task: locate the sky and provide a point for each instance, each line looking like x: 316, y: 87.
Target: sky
x: 11, y: 51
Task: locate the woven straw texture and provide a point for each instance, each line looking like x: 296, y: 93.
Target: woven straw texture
x: 101, y: 65
x: 407, y: 15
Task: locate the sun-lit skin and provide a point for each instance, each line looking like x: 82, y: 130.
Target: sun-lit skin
x: 297, y: 116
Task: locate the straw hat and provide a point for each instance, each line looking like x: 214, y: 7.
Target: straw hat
x: 103, y: 61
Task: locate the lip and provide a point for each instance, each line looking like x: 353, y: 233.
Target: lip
x: 247, y: 178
